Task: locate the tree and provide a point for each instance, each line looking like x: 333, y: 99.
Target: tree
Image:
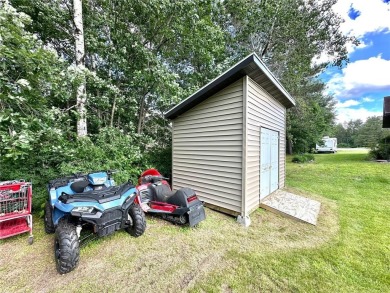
x: 288, y: 35
x: 356, y: 133
x: 312, y: 117
x: 371, y: 132
x: 353, y: 128
x: 135, y: 67
x: 155, y: 61
x: 143, y: 64
x: 32, y: 80
x: 341, y: 134
x: 81, y: 97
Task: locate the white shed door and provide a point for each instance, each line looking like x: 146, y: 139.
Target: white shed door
x: 269, y: 162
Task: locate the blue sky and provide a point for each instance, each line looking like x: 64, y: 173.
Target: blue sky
x: 359, y: 87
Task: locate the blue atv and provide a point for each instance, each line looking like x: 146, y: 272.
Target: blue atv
x: 92, y: 203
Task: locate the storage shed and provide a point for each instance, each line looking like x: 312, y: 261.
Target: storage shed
x: 229, y: 138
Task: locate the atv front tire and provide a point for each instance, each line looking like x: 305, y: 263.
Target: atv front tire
x: 137, y: 222
x: 66, y: 248
x: 49, y: 226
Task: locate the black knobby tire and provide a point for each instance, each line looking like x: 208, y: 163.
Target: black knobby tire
x: 138, y: 222
x: 48, y: 218
x: 66, y: 248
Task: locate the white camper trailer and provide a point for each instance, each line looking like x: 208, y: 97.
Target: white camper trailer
x: 329, y: 145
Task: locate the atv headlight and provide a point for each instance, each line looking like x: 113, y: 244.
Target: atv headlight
x: 88, y: 210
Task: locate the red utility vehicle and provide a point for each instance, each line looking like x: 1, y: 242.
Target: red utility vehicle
x: 15, y: 208
x: 181, y: 206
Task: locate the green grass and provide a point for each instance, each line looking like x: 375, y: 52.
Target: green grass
x: 356, y: 259
x: 348, y: 250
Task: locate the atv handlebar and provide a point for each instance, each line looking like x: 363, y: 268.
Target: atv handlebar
x: 150, y: 178
x: 160, y: 178
x: 81, y: 174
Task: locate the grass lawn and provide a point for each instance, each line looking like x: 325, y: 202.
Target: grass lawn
x: 348, y: 250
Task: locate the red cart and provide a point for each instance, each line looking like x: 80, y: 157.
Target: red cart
x: 15, y: 208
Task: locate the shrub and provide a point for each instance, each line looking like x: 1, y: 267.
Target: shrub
x: 303, y: 158
x: 382, y: 150
x: 111, y: 149
x: 159, y: 158
x: 343, y: 145
x: 55, y: 157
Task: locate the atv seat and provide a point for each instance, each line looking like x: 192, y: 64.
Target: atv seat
x: 79, y: 186
x: 163, y: 193
x: 160, y: 192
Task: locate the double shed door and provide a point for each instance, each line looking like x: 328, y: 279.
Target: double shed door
x: 269, y: 162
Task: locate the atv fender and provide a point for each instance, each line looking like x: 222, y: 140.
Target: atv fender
x: 57, y: 215
x: 125, y: 209
x: 129, y: 202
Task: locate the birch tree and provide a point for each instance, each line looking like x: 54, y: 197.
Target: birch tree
x: 81, y: 97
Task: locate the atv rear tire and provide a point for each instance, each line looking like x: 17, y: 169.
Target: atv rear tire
x: 66, y: 248
x: 48, y: 217
x: 138, y: 222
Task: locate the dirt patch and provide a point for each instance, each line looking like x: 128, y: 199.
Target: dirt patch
x: 166, y: 258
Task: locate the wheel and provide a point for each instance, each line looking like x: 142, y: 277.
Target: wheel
x: 30, y: 240
x: 137, y: 221
x: 66, y: 248
x: 49, y: 226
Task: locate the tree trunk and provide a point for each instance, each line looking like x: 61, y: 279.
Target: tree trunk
x: 81, y: 96
x: 289, y: 146
x: 270, y: 35
x: 141, y: 115
x: 113, y: 112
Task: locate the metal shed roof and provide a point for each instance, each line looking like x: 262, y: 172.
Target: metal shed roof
x: 251, y: 66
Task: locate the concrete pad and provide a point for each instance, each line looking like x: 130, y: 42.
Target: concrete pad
x: 292, y: 205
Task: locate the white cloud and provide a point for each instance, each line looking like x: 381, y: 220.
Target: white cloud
x: 374, y: 16
x: 360, y: 76
x: 346, y: 114
x: 326, y: 58
x: 370, y: 72
x: 347, y: 104
x: 322, y: 58
x: 368, y: 99
x: 335, y: 85
x: 352, y: 48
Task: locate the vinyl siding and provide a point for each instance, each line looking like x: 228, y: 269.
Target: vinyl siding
x: 207, y: 148
x: 262, y: 111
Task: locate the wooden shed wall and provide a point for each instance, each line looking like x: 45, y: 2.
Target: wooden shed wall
x: 207, y: 148
x: 262, y: 111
